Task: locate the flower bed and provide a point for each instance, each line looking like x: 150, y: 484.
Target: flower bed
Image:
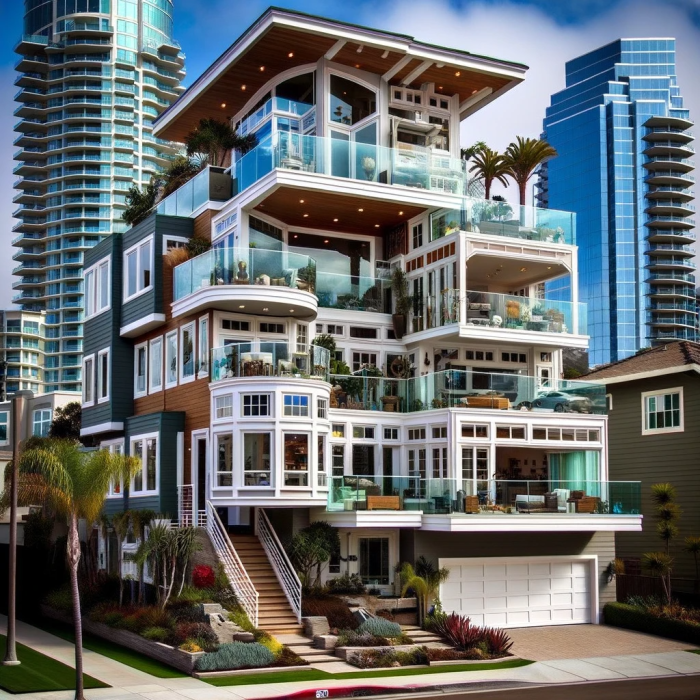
x: 458, y: 631
x: 673, y: 621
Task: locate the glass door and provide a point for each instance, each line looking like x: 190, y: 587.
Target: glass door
x: 374, y: 560
x: 475, y: 472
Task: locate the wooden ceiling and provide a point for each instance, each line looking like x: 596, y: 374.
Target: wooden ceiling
x: 280, y: 48
x: 323, y: 208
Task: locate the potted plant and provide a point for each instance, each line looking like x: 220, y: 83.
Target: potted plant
x: 369, y: 165
x: 402, y: 301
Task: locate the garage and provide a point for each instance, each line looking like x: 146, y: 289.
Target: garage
x: 522, y: 591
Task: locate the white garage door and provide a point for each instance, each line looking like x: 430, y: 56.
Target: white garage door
x: 521, y: 592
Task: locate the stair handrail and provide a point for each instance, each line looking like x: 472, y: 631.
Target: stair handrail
x: 238, y: 577
x: 282, y: 566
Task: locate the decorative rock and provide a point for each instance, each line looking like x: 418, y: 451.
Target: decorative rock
x: 212, y: 609
x: 246, y: 637
x: 316, y: 625
x: 361, y: 615
x: 325, y: 641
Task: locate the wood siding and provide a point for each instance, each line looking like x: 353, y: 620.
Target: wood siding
x: 436, y: 545
x: 651, y: 459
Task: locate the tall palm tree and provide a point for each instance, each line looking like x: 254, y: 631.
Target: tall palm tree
x: 425, y: 580
x: 73, y: 484
x: 212, y: 142
x: 522, y: 158
x: 489, y: 165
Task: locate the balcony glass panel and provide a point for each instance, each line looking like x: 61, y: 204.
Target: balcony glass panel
x: 338, y: 291
x: 245, y: 266
x: 269, y: 359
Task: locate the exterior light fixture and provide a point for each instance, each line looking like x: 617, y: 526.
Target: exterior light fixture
x: 376, y: 225
x: 457, y: 74
x: 326, y: 241
x: 265, y: 308
x: 335, y: 220
x: 301, y: 201
x: 242, y: 87
x: 262, y: 68
x: 306, y: 216
x: 291, y: 311
x: 223, y: 105
x: 400, y: 213
x: 241, y: 306
x: 290, y: 54
x: 360, y: 210
x: 523, y: 269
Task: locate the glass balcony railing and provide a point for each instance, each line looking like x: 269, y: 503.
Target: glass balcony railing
x: 411, y: 167
x: 245, y: 266
x: 193, y: 194
x: 499, y: 311
x: 269, y: 359
x: 473, y: 496
x: 339, y: 291
x: 455, y: 388
x: 505, y: 219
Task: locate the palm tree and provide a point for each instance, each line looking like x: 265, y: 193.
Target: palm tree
x: 469, y: 152
x: 120, y: 525
x: 425, y: 580
x: 73, y: 484
x: 522, y: 158
x: 659, y: 564
x: 139, y: 520
x: 489, y: 165
x: 180, y: 171
x: 212, y: 142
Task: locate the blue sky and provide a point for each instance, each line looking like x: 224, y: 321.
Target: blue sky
x: 540, y: 33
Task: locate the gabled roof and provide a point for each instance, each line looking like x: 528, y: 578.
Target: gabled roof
x: 280, y: 40
x: 678, y: 356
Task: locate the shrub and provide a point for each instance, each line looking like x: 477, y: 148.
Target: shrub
x: 347, y: 583
x: 191, y: 596
x: 190, y: 646
x: 238, y: 617
x: 287, y: 657
x: 633, y: 618
x: 386, y: 658
x: 453, y: 654
x: 200, y: 632
x: 459, y: 631
x: 189, y: 613
x: 225, y: 597
x: 236, y: 655
x: 497, y: 641
x: 156, y: 634
x: 334, y: 609
x: 203, y: 576
x: 350, y: 638
x: 61, y: 599
x: 269, y: 642
x: 380, y: 627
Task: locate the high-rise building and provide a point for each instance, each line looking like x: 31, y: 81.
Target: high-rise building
x: 624, y: 160
x: 93, y: 75
x: 22, y: 339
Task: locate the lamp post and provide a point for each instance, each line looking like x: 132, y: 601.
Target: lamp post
x: 17, y: 413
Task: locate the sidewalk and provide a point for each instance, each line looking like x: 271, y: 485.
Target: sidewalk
x: 136, y: 685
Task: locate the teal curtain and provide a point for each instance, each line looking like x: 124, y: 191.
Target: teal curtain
x: 575, y: 471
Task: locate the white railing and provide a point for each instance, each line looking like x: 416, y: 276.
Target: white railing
x: 287, y: 576
x: 240, y: 581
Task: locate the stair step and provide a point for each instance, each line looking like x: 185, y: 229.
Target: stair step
x: 319, y: 659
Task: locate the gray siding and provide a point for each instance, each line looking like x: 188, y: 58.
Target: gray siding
x: 152, y: 301
x: 670, y: 457
x: 436, y: 545
x: 103, y: 332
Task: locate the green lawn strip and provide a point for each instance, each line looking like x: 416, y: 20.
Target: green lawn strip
x: 38, y: 673
x: 694, y: 651
x: 317, y: 675
x: 113, y: 651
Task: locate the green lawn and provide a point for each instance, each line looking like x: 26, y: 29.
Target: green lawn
x: 316, y: 675
x: 111, y: 650
x: 38, y: 673
x: 694, y: 651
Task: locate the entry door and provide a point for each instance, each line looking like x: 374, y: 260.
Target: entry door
x: 200, y: 476
x: 374, y: 560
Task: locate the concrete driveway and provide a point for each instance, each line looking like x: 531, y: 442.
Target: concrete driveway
x: 586, y: 641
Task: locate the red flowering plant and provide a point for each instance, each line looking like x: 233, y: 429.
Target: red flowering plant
x: 203, y: 576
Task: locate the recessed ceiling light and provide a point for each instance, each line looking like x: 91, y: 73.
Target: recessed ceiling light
x: 523, y: 269
x: 376, y: 225
x: 262, y: 68
x: 336, y: 220
x: 474, y: 91
x: 549, y: 267
x: 265, y: 308
x: 223, y: 105
x: 291, y: 311
x: 306, y: 216
x: 400, y: 213
x: 241, y: 306
x: 301, y: 201
x: 457, y: 74
x: 440, y: 87
x: 360, y: 210
x: 242, y: 87
x: 357, y: 65
x: 326, y: 241
x: 290, y: 54
x: 295, y: 236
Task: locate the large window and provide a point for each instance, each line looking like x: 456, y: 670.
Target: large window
x: 296, y: 459
x: 296, y: 405
x: 224, y: 460
x: 256, y: 405
x: 256, y: 459
x: 89, y: 380
x: 203, y: 346
x: 4, y: 424
x: 138, y: 269
x: 171, y: 359
x: 146, y: 479
x: 350, y: 101
x: 103, y: 376
x: 41, y: 422
x: 224, y: 406
x: 663, y: 411
x: 187, y: 353
x: 97, y: 292
x: 321, y: 460
x: 140, y: 369
x: 374, y: 560
x: 117, y: 448
x: 156, y: 365
x: 475, y: 470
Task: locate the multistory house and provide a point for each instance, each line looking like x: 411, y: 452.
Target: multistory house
x: 92, y: 77
x: 624, y: 167
x: 439, y: 425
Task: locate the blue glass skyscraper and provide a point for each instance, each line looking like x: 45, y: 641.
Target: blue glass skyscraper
x: 624, y: 166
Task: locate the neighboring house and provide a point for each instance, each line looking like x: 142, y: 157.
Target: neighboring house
x: 654, y: 435
x: 456, y: 440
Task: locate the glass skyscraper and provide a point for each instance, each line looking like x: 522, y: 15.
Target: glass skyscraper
x: 92, y: 77
x: 624, y: 166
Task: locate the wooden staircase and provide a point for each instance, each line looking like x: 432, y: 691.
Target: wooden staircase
x: 275, y: 615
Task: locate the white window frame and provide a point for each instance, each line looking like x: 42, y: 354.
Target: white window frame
x: 137, y: 348
x: 88, y: 383
x: 223, y: 406
x: 111, y: 446
x: 5, y: 420
x: 292, y: 406
x: 322, y: 408
x: 173, y: 239
x: 391, y: 433
x: 155, y: 371
x: 203, y: 347
x: 139, y: 270
x: 142, y: 456
x: 94, y: 287
x: 168, y: 360
x: 258, y: 394
x: 181, y: 360
x: 103, y: 392
x: 41, y: 420
x: 659, y: 393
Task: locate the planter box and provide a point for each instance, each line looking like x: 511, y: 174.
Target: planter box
x: 181, y: 660
x: 374, y: 603
x: 244, y: 671
x: 344, y: 652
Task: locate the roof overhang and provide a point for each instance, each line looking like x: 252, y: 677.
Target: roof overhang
x: 281, y: 40
x: 644, y: 375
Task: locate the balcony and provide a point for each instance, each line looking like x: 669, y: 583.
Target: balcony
x: 352, y: 292
x: 280, y: 283
x: 500, y: 313
x: 209, y: 185
x: 268, y: 359
x: 368, y: 390
x: 409, y: 167
x: 484, y: 504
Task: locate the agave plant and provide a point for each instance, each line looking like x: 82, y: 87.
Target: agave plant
x: 459, y: 631
x: 497, y: 640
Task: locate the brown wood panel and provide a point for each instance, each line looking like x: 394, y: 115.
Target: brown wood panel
x: 369, y: 59
x: 202, y: 225
x: 410, y: 66
x: 447, y: 82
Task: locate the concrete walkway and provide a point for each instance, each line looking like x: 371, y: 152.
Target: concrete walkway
x: 134, y: 685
